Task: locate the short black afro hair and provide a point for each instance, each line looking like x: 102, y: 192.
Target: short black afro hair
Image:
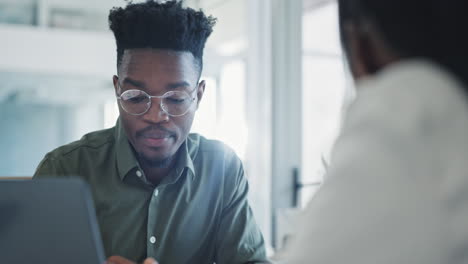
x: 157, y: 25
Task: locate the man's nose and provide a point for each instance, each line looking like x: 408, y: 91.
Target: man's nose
x: 155, y: 113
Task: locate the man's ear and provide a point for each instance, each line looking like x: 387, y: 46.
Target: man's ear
x: 115, y: 80
x: 200, y: 91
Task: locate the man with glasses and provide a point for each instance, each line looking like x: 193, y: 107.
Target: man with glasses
x: 159, y: 191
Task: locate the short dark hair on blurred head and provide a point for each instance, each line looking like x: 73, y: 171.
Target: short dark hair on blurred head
x: 431, y: 29
x: 160, y: 25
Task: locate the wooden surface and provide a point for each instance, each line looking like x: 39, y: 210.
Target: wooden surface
x: 15, y: 178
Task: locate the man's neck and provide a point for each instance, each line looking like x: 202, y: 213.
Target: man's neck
x: 156, y: 174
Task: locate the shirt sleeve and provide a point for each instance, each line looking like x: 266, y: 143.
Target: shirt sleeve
x: 239, y: 239
x: 48, y: 167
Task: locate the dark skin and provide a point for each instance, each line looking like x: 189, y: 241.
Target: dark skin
x: 120, y: 260
x: 155, y: 136
x: 367, y: 50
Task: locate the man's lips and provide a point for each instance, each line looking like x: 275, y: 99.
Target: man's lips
x: 156, y: 142
x: 156, y: 139
x: 155, y: 136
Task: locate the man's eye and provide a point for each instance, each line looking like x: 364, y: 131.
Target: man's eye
x: 175, y: 100
x: 136, y: 99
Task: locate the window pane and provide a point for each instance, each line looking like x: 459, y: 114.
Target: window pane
x: 324, y: 91
x: 232, y: 123
x: 320, y: 32
x: 222, y: 111
x: 206, y: 116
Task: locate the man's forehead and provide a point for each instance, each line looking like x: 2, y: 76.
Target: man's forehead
x: 156, y: 55
x: 148, y: 60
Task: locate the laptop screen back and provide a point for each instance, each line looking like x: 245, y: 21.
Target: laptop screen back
x: 48, y: 221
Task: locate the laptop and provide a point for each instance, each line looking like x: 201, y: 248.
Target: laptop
x: 50, y: 221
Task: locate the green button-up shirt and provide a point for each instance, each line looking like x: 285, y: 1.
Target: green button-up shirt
x: 198, y: 214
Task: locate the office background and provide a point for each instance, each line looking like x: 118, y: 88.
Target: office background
x: 276, y: 90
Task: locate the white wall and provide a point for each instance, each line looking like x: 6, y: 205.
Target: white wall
x: 45, y: 50
x: 53, y: 87
x: 27, y: 132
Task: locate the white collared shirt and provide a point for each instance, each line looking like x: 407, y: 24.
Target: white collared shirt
x: 397, y: 187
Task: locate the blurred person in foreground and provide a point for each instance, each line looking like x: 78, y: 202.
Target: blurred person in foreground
x: 159, y: 191
x: 397, y: 187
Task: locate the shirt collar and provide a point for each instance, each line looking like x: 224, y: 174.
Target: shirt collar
x: 126, y: 160
x: 186, y: 157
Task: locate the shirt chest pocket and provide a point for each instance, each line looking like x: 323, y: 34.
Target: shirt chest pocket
x: 186, y: 227
x: 122, y: 223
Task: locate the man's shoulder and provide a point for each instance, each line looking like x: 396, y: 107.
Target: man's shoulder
x: 215, y: 162
x: 216, y: 159
x: 93, y: 141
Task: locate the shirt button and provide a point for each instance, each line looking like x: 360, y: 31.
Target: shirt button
x: 138, y: 173
x: 152, y: 240
x: 156, y: 192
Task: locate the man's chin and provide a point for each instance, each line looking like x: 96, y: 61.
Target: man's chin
x: 156, y: 161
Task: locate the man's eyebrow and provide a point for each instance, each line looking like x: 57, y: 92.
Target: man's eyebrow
x: 176, y: 85
x: 134, y: 82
